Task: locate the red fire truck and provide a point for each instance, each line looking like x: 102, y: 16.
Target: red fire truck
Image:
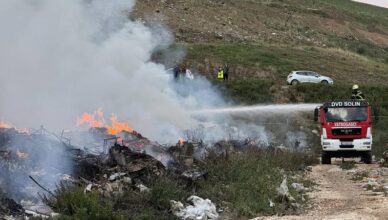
x: 346, y: 129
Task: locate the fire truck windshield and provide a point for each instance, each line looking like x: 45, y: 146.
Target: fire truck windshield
x: 346, y: 114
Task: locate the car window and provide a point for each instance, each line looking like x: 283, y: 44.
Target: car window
x: 310, y: 73
x: 301, y: 73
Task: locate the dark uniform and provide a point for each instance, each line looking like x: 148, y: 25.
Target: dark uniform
x: 226, y: 72
x: 357, y: 94
x: 176, y: 72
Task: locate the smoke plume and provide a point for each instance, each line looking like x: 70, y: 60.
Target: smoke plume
x: 61, y: 58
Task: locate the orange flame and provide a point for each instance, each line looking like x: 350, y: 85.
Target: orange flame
x: 21, y: 154
x: 182, y: 141
x: 4, y: 124
x: 97, y: 120
x: 117, y: 126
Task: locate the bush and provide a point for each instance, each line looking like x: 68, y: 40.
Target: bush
x: 164, y: 190
x: 72, y: 203
x: 247, y: 181
x: 156, y: 203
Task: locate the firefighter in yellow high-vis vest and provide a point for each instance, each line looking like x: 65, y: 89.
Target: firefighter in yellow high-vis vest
x: 220, y: 74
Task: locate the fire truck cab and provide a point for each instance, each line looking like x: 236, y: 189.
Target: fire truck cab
x: 346, y: 129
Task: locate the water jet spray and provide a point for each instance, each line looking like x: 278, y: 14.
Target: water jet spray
x: 271, y: 108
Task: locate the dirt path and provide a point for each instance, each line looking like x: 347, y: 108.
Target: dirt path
x: 339, y: 197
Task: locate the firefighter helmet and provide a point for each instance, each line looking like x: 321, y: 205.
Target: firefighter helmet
x: 355, y: 86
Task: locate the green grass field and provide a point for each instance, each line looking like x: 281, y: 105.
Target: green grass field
x: 277, y: 61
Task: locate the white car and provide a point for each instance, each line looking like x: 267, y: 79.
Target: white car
x: 301, y: 76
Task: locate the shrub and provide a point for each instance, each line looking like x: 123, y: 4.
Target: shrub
x: 72, y: 203
x: 247, y: 181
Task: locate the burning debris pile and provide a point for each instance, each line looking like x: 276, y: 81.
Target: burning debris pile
x: 137, y: 162
x: 103, y: 159
x: 127, y: 161
x: 8, y: 207
x: 25, y: 160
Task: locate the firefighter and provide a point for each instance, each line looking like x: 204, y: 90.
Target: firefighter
x: 356, y: 93
x: 176, y: 72
x: 189, y: 75
x: 183, y: 70
x: 226, y: 72
x: 220, y: 74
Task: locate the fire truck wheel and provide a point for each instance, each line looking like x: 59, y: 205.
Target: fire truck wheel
x: 326, y: 159
x: 367, y: 158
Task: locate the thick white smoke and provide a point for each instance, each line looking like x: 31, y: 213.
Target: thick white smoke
x: 61, y: 58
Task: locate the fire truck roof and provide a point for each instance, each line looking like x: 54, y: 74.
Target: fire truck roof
x: 346, y: 103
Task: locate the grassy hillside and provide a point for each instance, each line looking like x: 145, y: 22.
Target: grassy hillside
x: 266, y: 39
x: 263, y: 40
x: 274, y: 62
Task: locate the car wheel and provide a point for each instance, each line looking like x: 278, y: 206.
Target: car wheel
x: 294, y: 82
x: 324, y: 82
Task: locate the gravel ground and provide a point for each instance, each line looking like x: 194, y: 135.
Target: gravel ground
x: 339, y: 196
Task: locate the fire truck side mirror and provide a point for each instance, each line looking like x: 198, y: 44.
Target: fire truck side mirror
x: 316, y: 114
